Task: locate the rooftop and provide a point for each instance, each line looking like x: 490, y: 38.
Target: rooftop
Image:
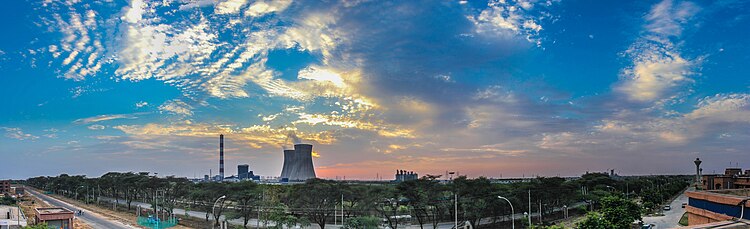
x: 734, y: 192
x: 53, y: 210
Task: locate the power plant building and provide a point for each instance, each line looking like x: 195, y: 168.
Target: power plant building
x: 244, y: 173
x: 298, y: 165
x: 403, y: 175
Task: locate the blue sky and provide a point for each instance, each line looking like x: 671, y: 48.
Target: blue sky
x: 498, y: 88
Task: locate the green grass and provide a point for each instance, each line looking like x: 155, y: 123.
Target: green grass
x: 684, y: 219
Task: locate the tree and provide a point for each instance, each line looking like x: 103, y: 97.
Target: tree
x: 37, y: 226
x: 387, y: 204
x: 594, y: 220
x: 422, y: 196
x: 205, y: 194
x: 245, y: 195
x: 315, y: 199
x: 620, y: 212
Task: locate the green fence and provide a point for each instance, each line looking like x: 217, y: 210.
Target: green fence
x: 153, y: 222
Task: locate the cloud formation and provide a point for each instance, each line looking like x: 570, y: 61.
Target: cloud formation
x: 100, y: 118
x: 658, y: 67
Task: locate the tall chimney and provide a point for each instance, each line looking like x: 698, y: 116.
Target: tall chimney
x: 221, y: 157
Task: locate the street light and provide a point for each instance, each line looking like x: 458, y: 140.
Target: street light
x: 213, y: 208
x: 512, y: 212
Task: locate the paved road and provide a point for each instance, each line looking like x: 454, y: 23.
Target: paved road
x: 672, y: 217
x: 91, y: 218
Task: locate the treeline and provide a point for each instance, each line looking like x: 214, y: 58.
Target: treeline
x: 426, y: 201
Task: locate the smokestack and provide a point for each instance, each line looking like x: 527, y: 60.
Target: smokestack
x: 221, y: 157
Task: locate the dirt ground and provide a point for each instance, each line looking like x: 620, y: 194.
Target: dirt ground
x: 28, y: 203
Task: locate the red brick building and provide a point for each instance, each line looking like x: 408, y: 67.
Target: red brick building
x: 732, y: 178
x: 55, y: 217
x: 4, y: 186
x: 716, y: 206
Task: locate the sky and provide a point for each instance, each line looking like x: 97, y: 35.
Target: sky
x: 496, y: 88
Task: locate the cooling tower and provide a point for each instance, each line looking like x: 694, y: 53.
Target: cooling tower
x: 288, y: 162
x: 303, y: 168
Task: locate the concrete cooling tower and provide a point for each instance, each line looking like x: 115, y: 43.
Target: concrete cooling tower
x: 298, y: 165
x: 288, y: 162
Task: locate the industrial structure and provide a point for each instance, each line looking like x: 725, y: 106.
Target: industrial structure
x: 403, y: 175
x: 221, y: 157
x: 244, y: 173
x: 298, y: 164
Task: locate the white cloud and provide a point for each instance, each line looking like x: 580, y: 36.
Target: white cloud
x: 165, y: 52
x: 134, y: 13
x: 141, y: 104
x: 654, y: 73
x: 18, y: 134
x: 96, y: 127
x: 699, y: 122
x: 658, y: 67
x: 80, y: 46
x: 100, y: 118
x: 189, y: 4
x: 725, y: 108
x: 229, y: 6
x: 321, y: 74
x: 262, y: 7
x: 176, y: 106
x: 667, y: 19
x: 509, y: 18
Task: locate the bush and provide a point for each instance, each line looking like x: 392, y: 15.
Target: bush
x: 362, y: 222
x: 7, y: 200
x: 594, y: 220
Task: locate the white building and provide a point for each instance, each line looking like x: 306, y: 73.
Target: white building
x: 11, y: 217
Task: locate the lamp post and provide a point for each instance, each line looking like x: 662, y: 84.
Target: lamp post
x: 512, y: 212
x: 213, y: 208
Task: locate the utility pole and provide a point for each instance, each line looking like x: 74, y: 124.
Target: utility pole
x: 529, y: 207
x: 455, y: 210
x: 540, y: 211
x: 342, y: 209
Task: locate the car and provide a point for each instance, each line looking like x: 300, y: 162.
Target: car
x: 683, y: 205
x: 648, y: 226
x: 667, y: 208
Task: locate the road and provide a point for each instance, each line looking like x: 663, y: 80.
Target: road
x: 672, y: 217
x: 91, y: 218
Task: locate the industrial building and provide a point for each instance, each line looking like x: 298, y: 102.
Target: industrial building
x: 403, y: 175
x: 298, y: 164
x: 244, y: 173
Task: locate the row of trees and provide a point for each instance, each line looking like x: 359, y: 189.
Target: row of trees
x: 426, y: 201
